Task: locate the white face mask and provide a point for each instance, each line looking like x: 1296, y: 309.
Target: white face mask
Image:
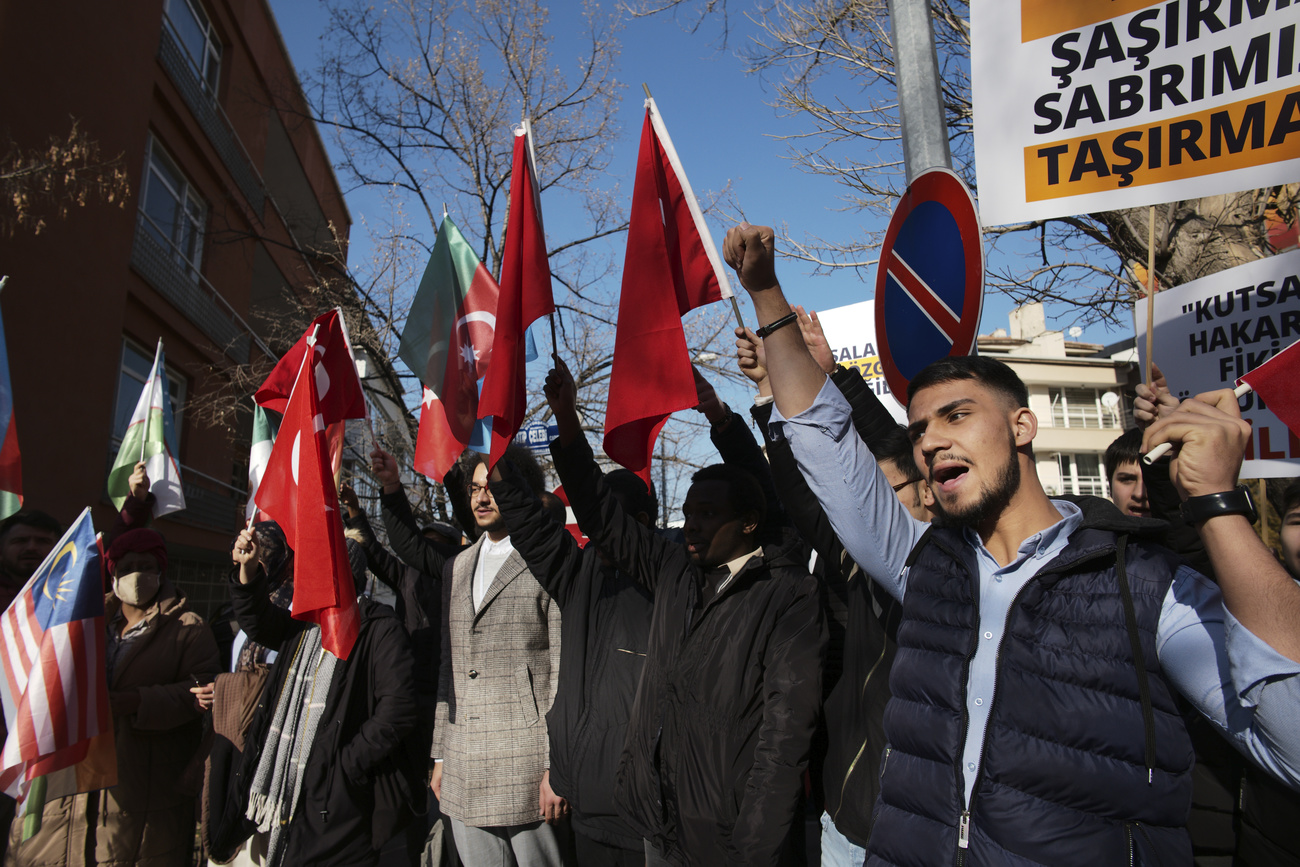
x: 137, y: 588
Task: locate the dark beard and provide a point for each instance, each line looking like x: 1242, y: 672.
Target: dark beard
x: 992, y: 499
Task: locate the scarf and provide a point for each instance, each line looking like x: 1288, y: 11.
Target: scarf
x: 277, y: 782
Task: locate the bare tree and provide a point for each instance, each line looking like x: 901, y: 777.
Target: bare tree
x: 831, y: 64
x: 37, y: 184
x: 420, y: 98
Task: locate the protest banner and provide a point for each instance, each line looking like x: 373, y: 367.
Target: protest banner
x: 1211, y: 331
x: 1091, y: 105
x: 851, y: 333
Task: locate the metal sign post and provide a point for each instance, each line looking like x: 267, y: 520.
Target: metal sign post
x: 920, y: 100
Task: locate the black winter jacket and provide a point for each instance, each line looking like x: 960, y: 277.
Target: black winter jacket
x: 605, y: 629
x: 855, y: 708
x: 721, y: 725
x: 419, y: 598
x: 365, y: 777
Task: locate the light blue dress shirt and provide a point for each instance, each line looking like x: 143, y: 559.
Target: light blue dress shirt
x: 1243, y: 686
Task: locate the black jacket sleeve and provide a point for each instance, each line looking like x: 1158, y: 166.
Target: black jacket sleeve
x: 870, y: 418
x: 410, y: 546
x: 549, y: 549
x: 805, y: 511
x: 634, y: 548
x: 391, y: 703
x: 264, y: 622
x: 379, y: 560
x: 1181, y: 537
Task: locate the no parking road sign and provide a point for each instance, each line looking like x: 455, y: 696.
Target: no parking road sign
x: 930, y: 280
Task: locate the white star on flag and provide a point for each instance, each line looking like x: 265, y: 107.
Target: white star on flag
x: 429, y: 397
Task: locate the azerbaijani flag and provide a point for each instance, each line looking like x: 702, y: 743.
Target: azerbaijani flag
x: 447, y: 344
x: 264, y: 430
x: 11, y: 465
x: 151, y: 437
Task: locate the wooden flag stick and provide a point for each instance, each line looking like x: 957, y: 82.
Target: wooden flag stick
x: 1151, y: 288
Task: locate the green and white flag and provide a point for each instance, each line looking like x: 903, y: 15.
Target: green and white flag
x: 265, y: 426
x: 151, y: 437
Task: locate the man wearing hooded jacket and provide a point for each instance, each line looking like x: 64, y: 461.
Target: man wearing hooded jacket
x: 712, y: 769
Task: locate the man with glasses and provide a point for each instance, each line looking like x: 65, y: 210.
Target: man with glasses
x: 497, y: 677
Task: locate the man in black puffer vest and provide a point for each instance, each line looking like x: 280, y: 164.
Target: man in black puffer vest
x: 1042, y: 640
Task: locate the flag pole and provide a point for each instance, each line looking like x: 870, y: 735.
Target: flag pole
x: 1151, y: 287
x: 144, y: 438
x: 532, y: 163
x: 735, y: 306
x: 1161, y: 450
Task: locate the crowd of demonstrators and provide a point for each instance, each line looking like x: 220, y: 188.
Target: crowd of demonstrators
x: 1042, y: 640
x: 719, y: 733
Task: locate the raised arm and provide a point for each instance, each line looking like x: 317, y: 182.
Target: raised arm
x: 1232, y: 648
x: 549, y: 549
x: 409, y: 544
x: 386, y: 567
x: 635, y: 549
x: 265, y: 623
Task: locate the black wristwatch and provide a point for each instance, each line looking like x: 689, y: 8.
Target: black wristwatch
x: 1235, y: 502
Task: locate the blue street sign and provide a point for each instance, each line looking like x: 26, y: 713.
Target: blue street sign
x: 930, y: 280
x: 537, y: 436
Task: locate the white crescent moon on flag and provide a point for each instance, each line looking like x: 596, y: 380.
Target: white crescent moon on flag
x: 322, y: 376
x: 478, y: 316
x: 293, y: 456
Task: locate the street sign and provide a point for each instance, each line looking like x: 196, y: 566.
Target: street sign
x: 537, y: 436
x: 930, y: 280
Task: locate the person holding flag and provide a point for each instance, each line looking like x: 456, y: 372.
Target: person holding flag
x: 153, y: 649
x: 150, y: 438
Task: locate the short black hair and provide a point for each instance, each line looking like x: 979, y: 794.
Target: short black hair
x: 1290, y: 497
x: 895, y: 447
x: 987, y: 371
x: 31, y: 518
x: 744, y: 493
x: 632, y: 493
x: 1126, y: 449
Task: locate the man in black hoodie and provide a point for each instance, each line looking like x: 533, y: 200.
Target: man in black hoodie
x: 719, y: 734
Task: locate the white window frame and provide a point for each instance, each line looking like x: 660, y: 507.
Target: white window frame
x: 1094, y: 409
x: 208, y: 67
x: 1081, y: 484
x: 190, y: 212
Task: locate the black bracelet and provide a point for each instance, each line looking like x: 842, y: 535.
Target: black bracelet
x: 780, y: 323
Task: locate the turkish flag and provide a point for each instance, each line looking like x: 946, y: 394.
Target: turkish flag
x: 298, y: 489
x: 338, y: 388
x: 436, y: 445
x: 670, y: 268
x: 1277, y: 382
x: 525, y: 296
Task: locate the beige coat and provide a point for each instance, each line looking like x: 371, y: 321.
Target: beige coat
x: 497, y: 681
x: 148, y: 817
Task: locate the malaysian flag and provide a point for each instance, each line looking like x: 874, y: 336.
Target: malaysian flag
x: 54, y: 688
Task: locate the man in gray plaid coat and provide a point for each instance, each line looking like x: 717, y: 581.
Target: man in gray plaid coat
x: 499, y: 668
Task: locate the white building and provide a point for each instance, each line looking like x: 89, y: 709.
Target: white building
x: 1082, y: 399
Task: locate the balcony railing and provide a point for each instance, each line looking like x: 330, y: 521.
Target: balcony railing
x: 164, y: 268
x: 212, y: 119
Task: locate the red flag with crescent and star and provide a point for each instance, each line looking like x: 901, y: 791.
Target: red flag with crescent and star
x: 447, y: 343
x: 298, y: 489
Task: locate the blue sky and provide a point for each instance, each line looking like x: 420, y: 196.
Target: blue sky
x: 723, y: 129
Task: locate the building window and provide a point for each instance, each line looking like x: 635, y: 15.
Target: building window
x: 134, y: 370
x: 173, y: 212
x: 1084, y: 408
x: 1081, y: 474
x: 195, y: 33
